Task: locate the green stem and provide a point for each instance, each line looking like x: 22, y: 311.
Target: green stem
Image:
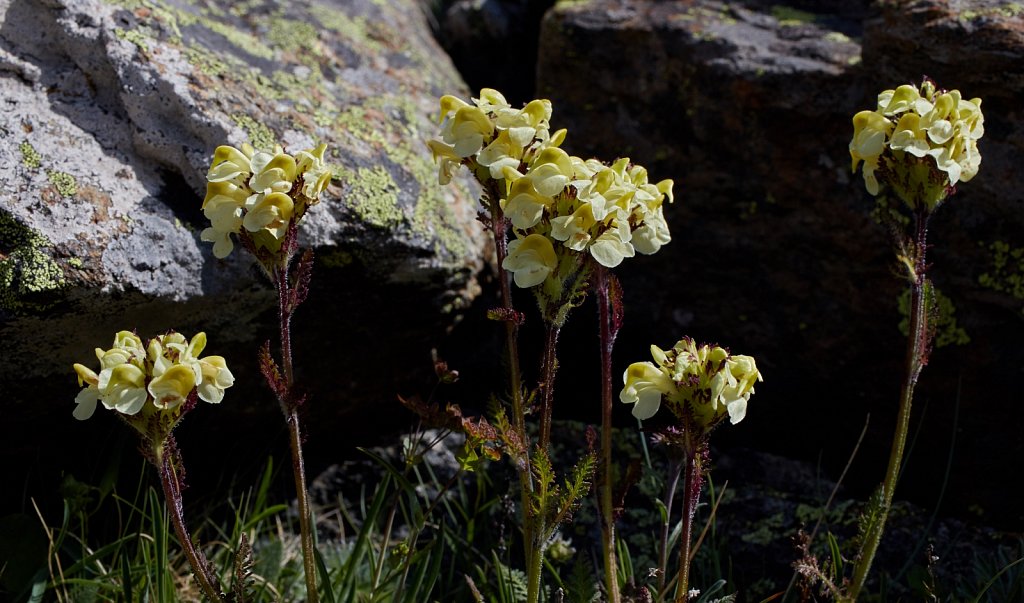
x: 607, y: 335
x: 691, y: 494
x: 305, y: 514
x: 290, y: 407
x: 916, y: 357
x: 534, y: 562
x: 549, y: 368
x: 208, y: 582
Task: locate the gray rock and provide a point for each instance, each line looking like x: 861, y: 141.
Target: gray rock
x: 111, y: 113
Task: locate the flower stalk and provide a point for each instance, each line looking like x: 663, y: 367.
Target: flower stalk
x: 552, y: 215
x: 609, y: 328
x: 917, y: 145
x: 259, y: 197
x: 291, y: 406
x: 151, y: 386
x: 916, y: 358
x: 693, y: 481
x: 207, y: 580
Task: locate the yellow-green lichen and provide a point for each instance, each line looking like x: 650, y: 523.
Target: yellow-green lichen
x: 941, y: 317
x: 30, y: 158
x: 356, y: 30
x: 291, y: 35
x: 837, y: 37
x: 64, y: 182
x: 135, y: 37
x: 205, y: 61
x: 259, y: 134
x: 788, y: 16
x: 1006, y: 270
x: 1009, y: 11
x: 337, y: 258
x: 25, y: 268
x: 243, y: 40
x: 373, y: 195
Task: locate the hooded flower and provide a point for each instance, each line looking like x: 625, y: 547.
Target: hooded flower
x: 258, y: 194
x: 152, y: 380
x: 530, y: 260
x: 701, y: 385
x: 919, y: 142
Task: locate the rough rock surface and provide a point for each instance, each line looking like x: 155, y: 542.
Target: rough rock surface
x: 747, y: 105
x: 111, y: 112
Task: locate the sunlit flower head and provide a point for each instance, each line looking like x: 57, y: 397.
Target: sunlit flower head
x: 257, y: 195
x: 700, y: 384
x: 919, y: 142
x: 150, y: 384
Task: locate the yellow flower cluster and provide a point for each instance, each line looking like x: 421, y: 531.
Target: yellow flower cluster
x: 258, y: 194
x: 558, y: 204
x: 919, y: 141
x: 703, y: 384
x: 163, y: 373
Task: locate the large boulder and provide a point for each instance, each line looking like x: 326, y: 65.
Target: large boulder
x: 747, y: 105
x: 111, y: 113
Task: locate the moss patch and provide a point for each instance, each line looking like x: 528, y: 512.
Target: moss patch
x: 25, y: 268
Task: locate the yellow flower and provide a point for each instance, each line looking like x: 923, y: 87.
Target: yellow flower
x: 525, y: 206
x: 921, y: 141
x: 123, y: 388
x: 645, y: 384
x: 86, y: 399
x: 268, y: 211
x: 173, y: 387
x: 574, y: 229
x: 315, y: 175
x: 215, y: 379
x: 503, y: 152
x: 231, y: 164
x: 700, y: 384
x: 447, y: 160
x: 652, y: 233
x: 257, y: 194
x: 612, y: 246
x: 272, y: 172
x: 139, y: 380
x: 530, y: 260
x: 467, y: 130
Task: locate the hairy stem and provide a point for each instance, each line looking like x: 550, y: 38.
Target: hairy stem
x: 607, y: 336
x: 531, y: 529
x: 208, y: 582
x: 499, y: 227
x: 916, y: 358
x: 548, y: 369
x: 692, y: 482
x: 290, y: 407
